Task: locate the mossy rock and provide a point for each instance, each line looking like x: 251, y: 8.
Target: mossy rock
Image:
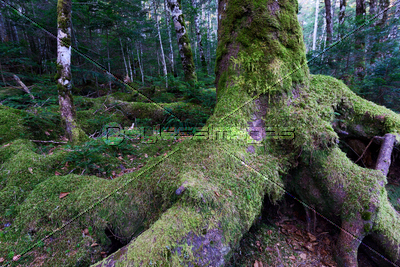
x: 11, y: 124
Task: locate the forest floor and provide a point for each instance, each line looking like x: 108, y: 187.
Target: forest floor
x: 282, y: 240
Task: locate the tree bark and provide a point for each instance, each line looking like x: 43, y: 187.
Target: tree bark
x: 123, y: 57
x: 342, y: 12
x: 198, y: 36
x: 359, y: 59
x: 385, y: 154
x: 171, y: 49
x: 314, y: 45
x: 329, y: 24
x: 164, y: 64
x: 64, y: 86
x: 185, y: 50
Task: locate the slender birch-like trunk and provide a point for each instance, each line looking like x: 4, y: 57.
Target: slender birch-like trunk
x: 163, y: 63
x: 109, y: 65
x: 198, y: 36
x: 209, y: 41
x: 185, y: 50
x: 314, y: 43
x: 73, y: 132
x: 140, y: 62
x: 171, y: 51
x: 129, y: 64
x: 123, y: 56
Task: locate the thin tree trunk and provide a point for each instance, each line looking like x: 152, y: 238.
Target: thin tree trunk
x: 333, y: 15
x: 3, y: 33
x: 198, y: 36
x: 208, y: 42
x: 328, y: 19
x: 73, y: 132
x: 314, y: 46
x: 171, y: 52
x: 129, y: 64
x: 185, y: 50
x: 383, y: 4
x: 342, y: 13
x: 109, y: 65
x: 164, y: 64
x: 396, y: 21
x: 123, y: 56
x: 16, y: 34
x: 24, y: 88
x: 140, y: 63
x: 360, y: 41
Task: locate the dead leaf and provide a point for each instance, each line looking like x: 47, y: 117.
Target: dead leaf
x: 1, y: 260
x: 146, y: 156
x: 103, y: 254
x: 258, y: 264
x: 47, y: 133
x: 30, y: 170
x: 293, y: 258
x: 94, y: 244
x: 303, y: 256
x: 16, y: 257
x: 269, y: 232
x: 57, y: 173
x: 312, y: 237
x: 6, y: 145
x: 86, y: 231
x: 63, y: 194
x: 216, y: 193
x: 309, y: 247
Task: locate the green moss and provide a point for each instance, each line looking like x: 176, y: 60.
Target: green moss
x: 366, y: 215
x: 11, y: 124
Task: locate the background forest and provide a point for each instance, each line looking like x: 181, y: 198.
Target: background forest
x: 122, y: 48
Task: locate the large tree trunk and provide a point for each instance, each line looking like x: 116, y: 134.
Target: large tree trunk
x: 185, y: 50
x: 67, y: 111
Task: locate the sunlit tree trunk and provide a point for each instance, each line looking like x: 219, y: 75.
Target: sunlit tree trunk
x: 314, y: 43
x: 198, y: 36
x: 163, y: 63
x: 72, y: 131
x: 129, y: 64
x: 185, y: 50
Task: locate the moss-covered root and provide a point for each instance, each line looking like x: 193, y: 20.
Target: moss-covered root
x: 181, y: 236
x: 353, y: 196
x: 386, y: 231
x: 220, y: 202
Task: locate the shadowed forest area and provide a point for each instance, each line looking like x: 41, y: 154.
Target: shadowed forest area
x: 107, y: 150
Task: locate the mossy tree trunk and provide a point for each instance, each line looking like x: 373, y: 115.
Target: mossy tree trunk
x: 184, y: 48
x: 73, y: 132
